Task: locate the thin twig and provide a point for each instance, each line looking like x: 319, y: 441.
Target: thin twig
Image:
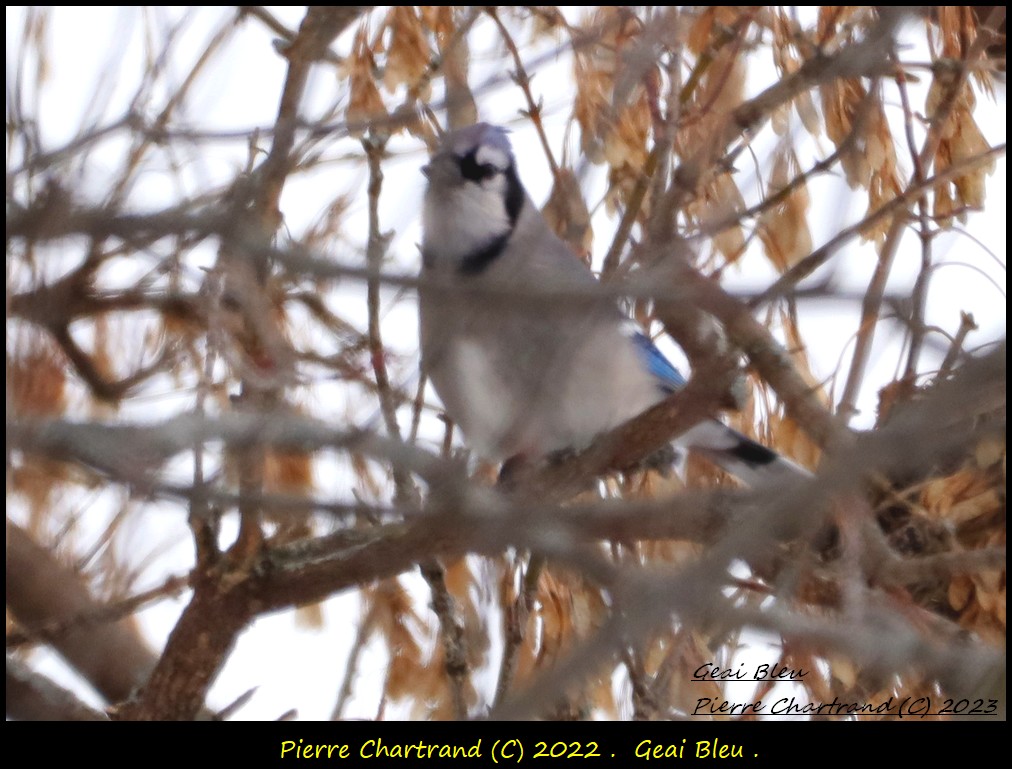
x: 966, y: 325
x: 523, y: 81
x: 876, y: 288
x: 111, y: 612
x: 452, y: 633
x: 515, y: 621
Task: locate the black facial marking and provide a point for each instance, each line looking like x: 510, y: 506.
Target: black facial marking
x: 514, y: 195
x: 477, y: 261
x: 471, y: 169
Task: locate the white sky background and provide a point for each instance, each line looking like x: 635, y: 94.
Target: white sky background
x: 303, y: 669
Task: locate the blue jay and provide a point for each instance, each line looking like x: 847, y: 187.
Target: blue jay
x: 527, y: 358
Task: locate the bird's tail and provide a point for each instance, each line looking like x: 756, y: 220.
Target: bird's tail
x: 750, y: 462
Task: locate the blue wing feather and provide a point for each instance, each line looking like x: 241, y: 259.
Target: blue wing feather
x: 668, y: 377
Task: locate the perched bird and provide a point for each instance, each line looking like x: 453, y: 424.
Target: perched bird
x: 526, y: 356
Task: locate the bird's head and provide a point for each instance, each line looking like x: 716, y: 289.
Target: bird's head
x: 473, y: 198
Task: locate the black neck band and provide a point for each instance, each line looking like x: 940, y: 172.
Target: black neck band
x: 477, y: 261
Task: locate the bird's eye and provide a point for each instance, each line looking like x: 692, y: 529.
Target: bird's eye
x: 471, y: 169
